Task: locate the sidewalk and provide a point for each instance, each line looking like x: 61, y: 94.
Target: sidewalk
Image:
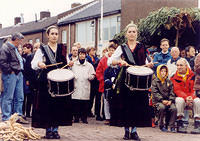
x: 97, y: 131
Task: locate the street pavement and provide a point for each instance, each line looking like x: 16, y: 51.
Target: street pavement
x: 97, y: 131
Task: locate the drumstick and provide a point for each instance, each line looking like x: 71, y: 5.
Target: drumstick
x: 65, y: 66
x: 53, y: 64
x: 153, y: 64
x: 143, y: 65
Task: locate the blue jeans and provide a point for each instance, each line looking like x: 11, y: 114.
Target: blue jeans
x: 12, y: 96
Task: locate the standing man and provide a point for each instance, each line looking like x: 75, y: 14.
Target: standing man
x: 74, y: 53
x: 164, y: 55
x: 11, y: 64
x: 73, y: 56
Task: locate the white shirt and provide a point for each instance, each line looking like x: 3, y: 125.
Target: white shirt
x: 38, y: 57
x: 116, y: 56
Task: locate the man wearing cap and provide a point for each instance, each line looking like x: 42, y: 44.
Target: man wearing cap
x: 11, y: 64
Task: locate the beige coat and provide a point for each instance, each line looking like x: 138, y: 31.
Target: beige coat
x: 83, y: 74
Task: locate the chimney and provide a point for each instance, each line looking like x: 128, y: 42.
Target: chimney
x: 17, y: 20
x: 75, y: 5
x: 44, y: 14
x: 0, y: 26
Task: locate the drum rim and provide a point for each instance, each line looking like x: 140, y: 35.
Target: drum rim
x: 56, y: 80
x: 133, y: 73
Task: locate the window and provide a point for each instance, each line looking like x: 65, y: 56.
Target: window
x: 37, y: 40
x: 85, y: 32
x: 64, y: 36
x: 105, y: 29
x: 111, y: 26
x: 30, y: 41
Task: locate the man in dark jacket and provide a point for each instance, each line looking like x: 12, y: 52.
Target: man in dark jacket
x: 11, y: 64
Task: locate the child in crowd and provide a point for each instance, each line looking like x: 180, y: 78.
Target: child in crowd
x: 164, y: 98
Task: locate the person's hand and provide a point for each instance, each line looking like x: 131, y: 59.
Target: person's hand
x: 169, y: 103
x: 150, y: 65
x: 164, y: 102
x: 123, y: 63
x: 189, y: 101
x: 71, y: 63
x: 42, y: 65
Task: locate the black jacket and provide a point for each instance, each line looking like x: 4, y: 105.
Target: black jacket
x: 8, y: 59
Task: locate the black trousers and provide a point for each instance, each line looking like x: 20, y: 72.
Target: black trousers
x: 28, y: 102
x: 94, y: 93
x: 80, y: 109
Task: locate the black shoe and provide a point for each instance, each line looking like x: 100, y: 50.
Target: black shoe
x: 76, y: 120
x: 85, y: 121
x: 180, y: 127
x: 135, y: 136
x: 196, y: 129
x: 126, y: 135
x: 56, y: 135
x: 173, y: 130
x: 99, y: 118
x: 49, y: 135
x: 22, y: 120
x: 91, y: 115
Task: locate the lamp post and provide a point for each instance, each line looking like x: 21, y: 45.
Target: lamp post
x: 101, y: 28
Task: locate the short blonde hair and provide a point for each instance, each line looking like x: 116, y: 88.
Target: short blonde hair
x: 131, y: 25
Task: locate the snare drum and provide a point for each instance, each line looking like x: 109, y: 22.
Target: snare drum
x: 61, y: 82
x: 138, y: 78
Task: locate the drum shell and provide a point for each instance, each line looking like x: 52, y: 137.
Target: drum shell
x: 61, y: 88
x: 60, y: 82
x: 136, y: 82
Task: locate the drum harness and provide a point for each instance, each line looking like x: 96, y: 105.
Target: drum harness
x: 126, y: 50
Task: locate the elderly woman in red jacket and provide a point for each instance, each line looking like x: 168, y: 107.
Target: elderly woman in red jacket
x: 183, y: 81
x: 102, y: 66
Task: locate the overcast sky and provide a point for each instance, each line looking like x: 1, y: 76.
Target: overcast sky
x: 13, y: 8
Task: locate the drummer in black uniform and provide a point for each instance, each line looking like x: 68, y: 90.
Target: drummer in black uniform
x: 129, y: 108
x: 50, y: 112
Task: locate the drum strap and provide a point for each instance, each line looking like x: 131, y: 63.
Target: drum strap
x: 128, y: 53
x: 50, y: 54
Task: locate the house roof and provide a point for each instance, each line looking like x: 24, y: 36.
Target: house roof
x: 93, y: 11
x: 30, y: 27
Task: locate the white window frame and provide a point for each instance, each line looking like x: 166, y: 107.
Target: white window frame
x: 89, y: 33
x: 118, y: 21
x: 37, y: 40
x: 30, y: 41
x: 64, y: 36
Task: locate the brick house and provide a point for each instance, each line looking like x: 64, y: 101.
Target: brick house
x: 33, y: 31
x: 137, y: 9
x: 84, y: 25
x: 82, y: 22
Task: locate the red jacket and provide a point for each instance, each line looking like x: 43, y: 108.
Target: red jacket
x: 102, y: 66
x: 181, y: 88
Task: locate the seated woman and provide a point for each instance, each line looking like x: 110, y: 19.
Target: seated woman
x: 163, y: 97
